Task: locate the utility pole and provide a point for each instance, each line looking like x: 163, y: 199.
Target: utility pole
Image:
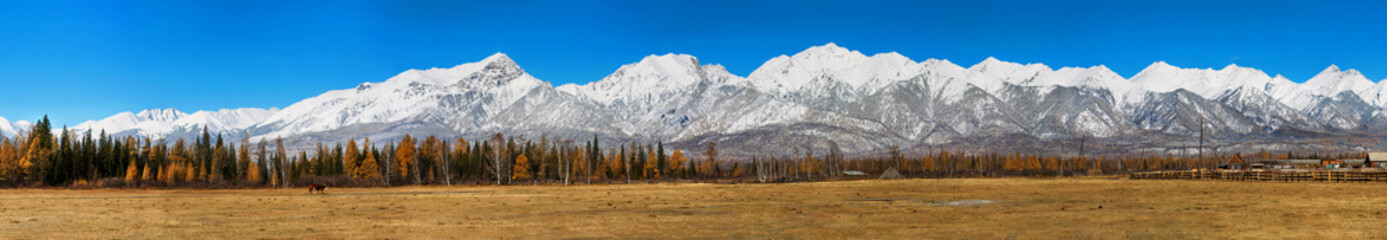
x: 1082, y: 138
x: 1201, y: 139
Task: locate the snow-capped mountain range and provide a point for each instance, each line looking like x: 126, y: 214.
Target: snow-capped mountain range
x: 172, y: 123
x: 825, y: 94
x: 9, y: 129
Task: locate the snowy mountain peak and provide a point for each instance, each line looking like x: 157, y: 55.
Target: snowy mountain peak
x: 991, y: 63
x: 6, y: 128
x: 498, y: 57
x: 936, y: 62
x: 1336, y: 72
x: 794, y: 73
x: 498, y: 66
x: 1235, y: 69
x: 830, y: 49
x: 1353, y: 72
x: 461, y: 96
x: 1030, y: 74
x: 676, y: 69
x: 653, y: 74
x: 22, y: 125
x: 1333, y: 81
x: 161, y: 115
x: 163, y: 122
x: 892, y: 57
x: 500, y: 61
x: 500, y: 69
x: 1097, y: 77
x: 1159, y: 77
x: 1158, y: 66
x: 225, y: 120
x: 1208, y: 83
x: 666, y: 60
x: 830, y: 52
x: 1099, y: 70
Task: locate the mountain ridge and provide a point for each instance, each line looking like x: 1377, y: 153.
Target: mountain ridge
x: 824, y: 94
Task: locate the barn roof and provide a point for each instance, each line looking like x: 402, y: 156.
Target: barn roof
x: 1377, y: 156
x: 1294, y: 161
x: 1352, y: 160
x: 1237, y: 159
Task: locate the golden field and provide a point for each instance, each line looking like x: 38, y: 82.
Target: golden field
x: 1019, y: 208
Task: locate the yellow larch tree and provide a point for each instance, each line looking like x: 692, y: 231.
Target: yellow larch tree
x: 352, y: 158
x: 676, y: 161
x: 192, y: 174
x: 253, y: 173
x: 9, y: 165
x: 132, y: 173
x: 147, y: 175
x: 651, y: 170
x: 369, y: 169
x: 522, y: 168
x: 170, y: 176
x: 404, y: 157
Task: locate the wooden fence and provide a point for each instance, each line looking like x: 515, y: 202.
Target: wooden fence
x: 1283, y: 175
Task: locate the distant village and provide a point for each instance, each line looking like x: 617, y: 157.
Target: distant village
x: 1371, y: 167
x: 1373, y: 160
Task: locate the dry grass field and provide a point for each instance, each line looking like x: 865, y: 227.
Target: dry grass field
x: 1063, y: 208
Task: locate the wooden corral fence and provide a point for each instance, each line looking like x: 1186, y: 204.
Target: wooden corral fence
x: 1283, y: 175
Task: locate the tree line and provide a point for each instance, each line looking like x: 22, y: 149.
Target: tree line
x: 37, y: 157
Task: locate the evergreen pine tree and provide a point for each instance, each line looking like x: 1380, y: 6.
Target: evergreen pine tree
x: 661, y: 163
x: 38, y: 155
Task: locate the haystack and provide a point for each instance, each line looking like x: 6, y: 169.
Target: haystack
x: 891, y: 173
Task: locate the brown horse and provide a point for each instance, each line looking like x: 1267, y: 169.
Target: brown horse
x: 316, y: 187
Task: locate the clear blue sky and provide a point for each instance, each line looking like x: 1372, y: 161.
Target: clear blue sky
x: 90, y: 59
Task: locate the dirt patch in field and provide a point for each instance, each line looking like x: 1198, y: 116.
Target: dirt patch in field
x: 399, y: 193
x: 919, y: 202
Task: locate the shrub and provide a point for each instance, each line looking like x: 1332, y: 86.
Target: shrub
x: 335, y: 181
x: 112, y: 182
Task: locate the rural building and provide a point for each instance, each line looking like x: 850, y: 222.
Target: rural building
x: 1235, y: 163
x: 1294, y: 163
x: 1334, y: 163
x: 891, y: 173
x: 1376, y: 159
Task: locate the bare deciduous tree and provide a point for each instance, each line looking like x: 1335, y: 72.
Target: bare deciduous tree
x: 498, y: 156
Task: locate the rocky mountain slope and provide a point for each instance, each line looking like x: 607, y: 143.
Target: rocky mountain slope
x: 825, y: 94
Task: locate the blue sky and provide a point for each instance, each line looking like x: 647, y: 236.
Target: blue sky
x: 79, y: 60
